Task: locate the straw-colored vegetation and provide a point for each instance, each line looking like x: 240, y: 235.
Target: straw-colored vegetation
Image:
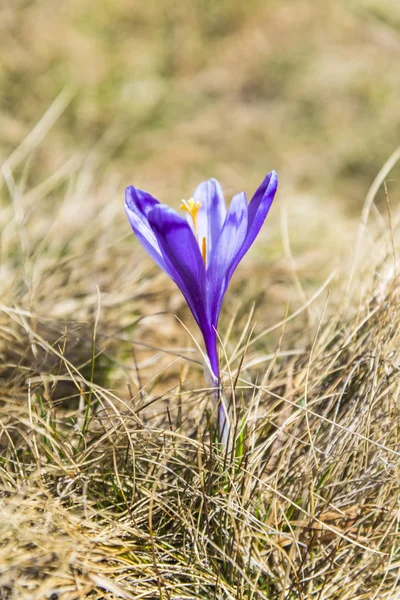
x: 111, y: 483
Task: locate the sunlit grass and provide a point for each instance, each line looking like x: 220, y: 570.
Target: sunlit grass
x: 112, y: 480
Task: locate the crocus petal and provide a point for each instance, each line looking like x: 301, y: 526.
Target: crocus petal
x: 140, y: 202
x: 258, y: 210
x: 182, y: 256
x: 223, y: 258
x: 137, y: 206
x: 212, y: 213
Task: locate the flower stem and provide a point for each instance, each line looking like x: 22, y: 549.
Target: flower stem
x: 223, y: 420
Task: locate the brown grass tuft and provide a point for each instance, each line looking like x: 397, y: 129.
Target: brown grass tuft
x: 113, y: 491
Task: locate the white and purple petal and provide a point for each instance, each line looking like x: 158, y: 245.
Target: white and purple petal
x: 223, y: 257
x: 212, y: 213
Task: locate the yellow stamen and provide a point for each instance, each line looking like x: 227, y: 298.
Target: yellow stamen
x: 204, y: 250
x: 192, y: 207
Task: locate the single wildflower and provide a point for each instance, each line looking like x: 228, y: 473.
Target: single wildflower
x: 201, y: 249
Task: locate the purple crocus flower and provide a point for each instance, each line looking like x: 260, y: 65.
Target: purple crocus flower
x: 201, y: 252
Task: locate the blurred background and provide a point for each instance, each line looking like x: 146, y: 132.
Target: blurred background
x: 172, y: 92
x: 163, y: 94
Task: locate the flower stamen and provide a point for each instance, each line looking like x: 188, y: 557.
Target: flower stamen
x: 192, y: 207
x: 204, y: 250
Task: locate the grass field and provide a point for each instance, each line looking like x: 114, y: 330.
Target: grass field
x: 111, y: 482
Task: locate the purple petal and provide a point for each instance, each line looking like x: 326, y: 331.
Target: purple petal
x: 140, y: 202
x: 182, y: 257
x: 223, y: 257
x: 137, y: 206
x: 212, y: 214
x: 258, y: 209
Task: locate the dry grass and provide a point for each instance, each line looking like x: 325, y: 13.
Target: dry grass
x: 111, y: 482
x: 111, y: 490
